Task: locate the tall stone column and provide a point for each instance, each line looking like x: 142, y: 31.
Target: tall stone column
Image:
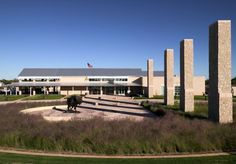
x: 220, y: 107
x: 169, y: 79
x: 186, y: 76
x: 150, y: 74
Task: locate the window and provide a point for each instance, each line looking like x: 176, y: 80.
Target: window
x: 121, y: 79
x: 40, y: 80
x: 94, y: 79
x: 107, y: 79
x: 177, y: 90
x: 53, y: 80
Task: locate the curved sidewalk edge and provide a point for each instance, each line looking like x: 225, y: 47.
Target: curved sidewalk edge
x: 31, y: 101
x: 23, y: 152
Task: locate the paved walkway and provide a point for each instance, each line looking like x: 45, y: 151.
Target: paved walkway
x: 25, y: 152
x: 105, y: 107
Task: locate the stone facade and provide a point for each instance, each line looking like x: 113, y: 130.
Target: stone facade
x: 150, y: 74
x: 169, y: 77
x: 220, y: 97
x: 186, y: 76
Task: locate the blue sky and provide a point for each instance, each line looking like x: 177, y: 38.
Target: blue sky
x: 106, y: 33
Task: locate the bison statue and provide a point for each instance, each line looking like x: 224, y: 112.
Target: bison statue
x: 73, y: 101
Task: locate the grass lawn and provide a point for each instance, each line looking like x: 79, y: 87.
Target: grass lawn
x: 44, y: 97
x: 11, y: 97
x: 200, y: 109
x: 15, y: 158
x: 177, y: 97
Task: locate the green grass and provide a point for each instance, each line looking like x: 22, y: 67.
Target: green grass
x: 11, y: 97
x: 200, y: 109
x: 16, y: 158
x: 177, y: 97
x: 44, y: 97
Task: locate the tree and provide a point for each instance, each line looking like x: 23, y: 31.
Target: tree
x: 4, y: 81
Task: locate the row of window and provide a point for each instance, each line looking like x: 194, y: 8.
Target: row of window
x: 40, y: 80
x: 108, y: 79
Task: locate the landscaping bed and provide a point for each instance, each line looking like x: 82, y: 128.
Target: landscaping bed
x: 171, y: 133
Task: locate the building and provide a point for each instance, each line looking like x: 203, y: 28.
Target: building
x: 112, y: 81
x: 234, y: 90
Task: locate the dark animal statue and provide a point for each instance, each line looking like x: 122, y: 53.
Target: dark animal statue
x: 73, y: 101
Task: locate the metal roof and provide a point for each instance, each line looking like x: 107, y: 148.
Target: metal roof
x: 86, y: 72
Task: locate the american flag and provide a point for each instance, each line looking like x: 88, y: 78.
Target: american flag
x: 89, y: 65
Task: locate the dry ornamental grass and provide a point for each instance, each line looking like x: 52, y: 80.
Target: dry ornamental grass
x: 171, y: 133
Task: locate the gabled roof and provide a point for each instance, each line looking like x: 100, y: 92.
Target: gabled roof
x: 85, y: 72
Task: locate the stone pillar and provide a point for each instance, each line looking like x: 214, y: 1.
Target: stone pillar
x: 44, y: 90
x: 34, y: 92
x: 169, y: 77
x: 30, y: 91
x: 220, y: 107
x: 101, y: 92
x: 186, y: 76
x: 114, y: 90
x: 47, y: 90
x: 150, y: 74
x: 17, y: 90
x: 59, y: 90
x: 20, y: 92
x: 5, y: 89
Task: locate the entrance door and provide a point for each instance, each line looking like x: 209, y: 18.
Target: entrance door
x: 108, y: 90
x: 94, y: 90
x: 121, y: 90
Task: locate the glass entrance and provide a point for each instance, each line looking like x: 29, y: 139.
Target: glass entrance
x: 94, y: 90
x: 108, y: 90
x: 121, y: 90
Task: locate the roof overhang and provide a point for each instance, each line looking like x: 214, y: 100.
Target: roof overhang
x: 48, y: 84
